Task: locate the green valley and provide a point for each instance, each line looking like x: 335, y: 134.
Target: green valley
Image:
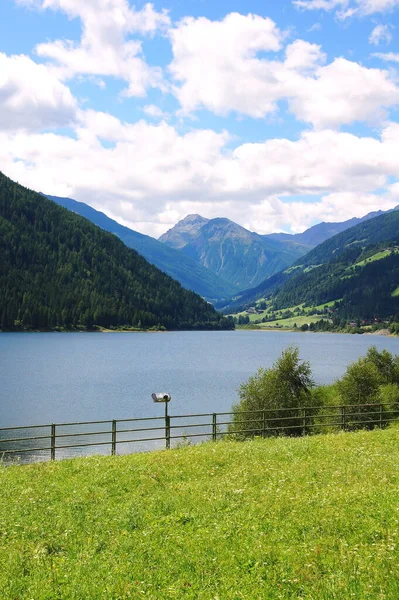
x: 352, y: 276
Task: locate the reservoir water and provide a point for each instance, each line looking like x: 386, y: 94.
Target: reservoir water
x: 61, y: 377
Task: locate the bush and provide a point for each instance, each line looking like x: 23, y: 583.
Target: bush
x: 386, y: 363
x: 360, y: 386
x: 327, y: 396
x: 371, y: 380
x: 286, y: 385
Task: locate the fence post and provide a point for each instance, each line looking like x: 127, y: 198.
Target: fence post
x: 264, y: 424
x: 113, y: 442
x: 52, y: 444
x: 167, y: 431
x: 214, y: 427
x: 343, y: 418
x: 167, y: 427
x: 381, y: 416
x: 304, y: 422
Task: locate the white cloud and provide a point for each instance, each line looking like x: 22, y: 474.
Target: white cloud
x: 217, y: 64
x: 282, y: 167
x: 381, y: 34
x: 320, y: 4
x: 152, y: 176
x: 105, y: 48
x: 227, y: 75
x: 348, y: 8
x: 152, y: 110
x: 370, y: 7
x: 303, y: 57
x: 275, y: 215
x: 315, y: 27
x: 32, y: 97
x: 107, y: 18
x: 344, y: 92
x: 388, y: 56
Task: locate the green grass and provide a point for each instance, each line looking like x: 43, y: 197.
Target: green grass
x: 291, y: 321
x: 327, y: 304
x: 292, y: 269
x: 373, y: 258
x: 299, y: 320
x: 312, y: 267
x: 313, y: 518
x: 395, y: 293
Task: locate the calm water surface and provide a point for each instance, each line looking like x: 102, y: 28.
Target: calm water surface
x: 56, y: 377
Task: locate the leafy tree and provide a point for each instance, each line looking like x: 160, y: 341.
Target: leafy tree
x: 389, y: 397
x: 372, y: 380
x: 286, y: 385
x: 386, y: 363
x: 360, y: 386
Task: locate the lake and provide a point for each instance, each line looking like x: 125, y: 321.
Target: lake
x: 53, y: 377
x: 62, y: 377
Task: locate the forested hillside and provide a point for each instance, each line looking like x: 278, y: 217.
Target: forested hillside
x: 59, y: 270
x: 350, y: 243
x: 358, y: 268
x: 363, y: 291
x: 187, y: 271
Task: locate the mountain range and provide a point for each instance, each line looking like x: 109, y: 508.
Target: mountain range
x: 322, y: 231
x: 190, y: 273
x: 57, y: 269
x: 218, y: 258
x: 62, y: 265
x: 357, y: 270
x: 240, y: 257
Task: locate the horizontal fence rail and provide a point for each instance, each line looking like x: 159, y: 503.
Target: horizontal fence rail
x: 67, y: 440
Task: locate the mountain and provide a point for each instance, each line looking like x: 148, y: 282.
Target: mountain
x: 184, y: 232
x: 238, y: 256
x: 358, y: 268
x: 322, y: 231
x: 190, y: 273
x: 58, y: 269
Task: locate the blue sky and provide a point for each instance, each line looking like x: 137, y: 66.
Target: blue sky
x: 274, y: 114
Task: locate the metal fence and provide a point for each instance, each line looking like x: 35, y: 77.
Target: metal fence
x: 67, y: 440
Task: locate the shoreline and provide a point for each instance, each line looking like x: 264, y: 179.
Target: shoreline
x: 381, y: 333
x: 102, y: 330
x: 105, y: 330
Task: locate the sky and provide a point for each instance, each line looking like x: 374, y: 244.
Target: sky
x: 275, y: 114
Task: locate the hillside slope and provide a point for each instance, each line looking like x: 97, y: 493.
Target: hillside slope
x: 359, y: 267
x: 58, y: 269
x: 348, y: 244
x: 190, y: 273
x: 239, y: 256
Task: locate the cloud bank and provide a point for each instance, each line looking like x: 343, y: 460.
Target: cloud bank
x: 151, y: 172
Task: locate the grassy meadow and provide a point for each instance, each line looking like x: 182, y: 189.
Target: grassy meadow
x: 310, y: 314
x: 313, y: 518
